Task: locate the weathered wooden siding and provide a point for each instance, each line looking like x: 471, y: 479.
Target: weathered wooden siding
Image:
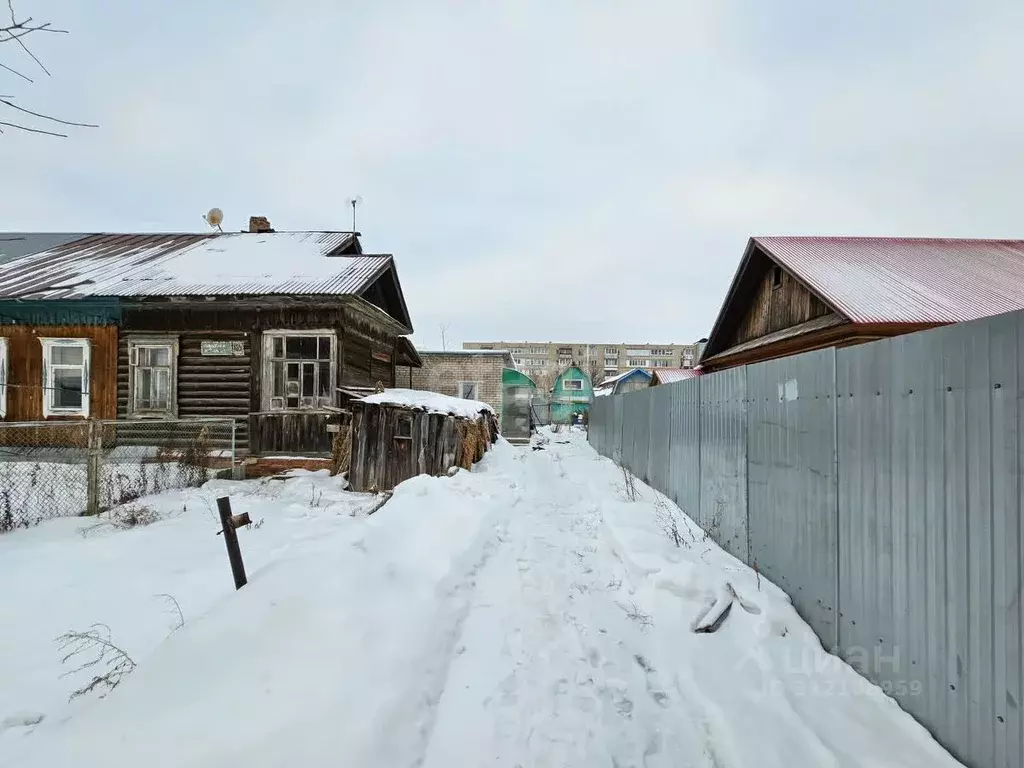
x: 291, y: 432
x: 382, y: 457
x: 232, y: 386
x: 773, y: 309
x: 25, y: 369
x: 206, y: 386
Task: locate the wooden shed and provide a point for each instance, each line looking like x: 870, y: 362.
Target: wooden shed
x: 401, y: 433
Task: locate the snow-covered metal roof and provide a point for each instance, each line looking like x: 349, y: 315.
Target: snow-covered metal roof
x: 906, y: 280
x: 302, y: 263
x: 671, y: 375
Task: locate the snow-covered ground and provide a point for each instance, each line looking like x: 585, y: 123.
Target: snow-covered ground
x: 526, y: 613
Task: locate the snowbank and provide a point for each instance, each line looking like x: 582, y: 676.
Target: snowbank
x: 70, y: 573
x: 527, y: 613
x: 432, y: 402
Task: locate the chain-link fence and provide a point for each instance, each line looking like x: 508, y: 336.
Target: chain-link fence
x: 61, y: 469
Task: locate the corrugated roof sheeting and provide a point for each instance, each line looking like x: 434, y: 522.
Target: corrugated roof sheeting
x: 672, y: 375
x: 192, y: 265
x: 907, y: 280
x: 14, y: 245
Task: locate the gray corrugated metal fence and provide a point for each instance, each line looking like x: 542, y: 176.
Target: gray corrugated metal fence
x: 791, y: 474
x: 723, y: 459
x: 879, y: 485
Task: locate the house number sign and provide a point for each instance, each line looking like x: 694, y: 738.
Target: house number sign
x: 221, y: 349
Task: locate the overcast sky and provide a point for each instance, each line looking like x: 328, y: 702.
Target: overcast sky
x: 576, y: 171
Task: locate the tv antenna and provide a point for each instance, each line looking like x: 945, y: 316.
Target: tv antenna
x: 214, y: 217
x: 354, y: 201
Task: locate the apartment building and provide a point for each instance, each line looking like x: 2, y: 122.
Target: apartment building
x: 540, y: 358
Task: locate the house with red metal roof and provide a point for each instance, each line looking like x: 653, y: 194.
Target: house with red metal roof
x: 795, y: 294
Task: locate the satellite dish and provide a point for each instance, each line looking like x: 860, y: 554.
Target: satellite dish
x: 214, y: 217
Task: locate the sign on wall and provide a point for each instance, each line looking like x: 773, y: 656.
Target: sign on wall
x: 221, y: 349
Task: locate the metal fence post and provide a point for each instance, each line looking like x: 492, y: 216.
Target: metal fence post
x: 94, y: 451
x: 229, y: 523
x: 234, y: 470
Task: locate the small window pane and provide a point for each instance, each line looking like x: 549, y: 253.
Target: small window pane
x: 293, y: 402
x: 162, y: 389
x: 307, y: 379
x: 160, y: 356
x: 293, y: 387
x: 278, y: 346
x: 301, y: 347
x: 325, y: 347
x: 324, y: 380
x: 278, y: 386
x: 66, y: 355
x: 143, y: 382
x: 293, y: 372
x: 67, y: 392
x: 276, y: 403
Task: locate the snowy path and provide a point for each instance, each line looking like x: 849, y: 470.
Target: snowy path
x: 561, y: 675
x: 524, y: 614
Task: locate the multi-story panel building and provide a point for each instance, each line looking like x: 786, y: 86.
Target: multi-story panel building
x: 543, y: 361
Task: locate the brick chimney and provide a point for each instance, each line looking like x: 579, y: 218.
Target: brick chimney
x: 259, y: 224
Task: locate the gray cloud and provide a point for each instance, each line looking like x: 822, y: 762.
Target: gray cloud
x: 581, y: 170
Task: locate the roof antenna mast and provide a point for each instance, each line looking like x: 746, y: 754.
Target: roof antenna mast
x: 354, y: 201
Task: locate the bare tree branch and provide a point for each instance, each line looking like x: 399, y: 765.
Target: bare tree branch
x: 16, y: 72
x: 46, y: 117
x: 14, y: 32
x: 33, y: 130
x: 35, y: 58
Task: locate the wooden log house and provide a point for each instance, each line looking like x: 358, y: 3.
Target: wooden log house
x: 796, y: 294
x: 276, y: 331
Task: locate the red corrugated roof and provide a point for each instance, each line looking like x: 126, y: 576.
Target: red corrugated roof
x: 906, y: 280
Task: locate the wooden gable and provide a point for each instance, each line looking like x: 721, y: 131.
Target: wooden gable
x: 764, y: 299
x: 385, y: 293
x: 777, y: 301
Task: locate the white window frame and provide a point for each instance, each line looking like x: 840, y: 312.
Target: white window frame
x: 3, y: 378
x: 267, y: 372
x: 461, y: 390
x: 577, y: 382
x: 151, y: 342
x: 48, y: 370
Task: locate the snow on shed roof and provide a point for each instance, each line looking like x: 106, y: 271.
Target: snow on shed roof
x: 906, y: 280
x: 671, y: 375
x: 208, y: 264
x: 432, y: 402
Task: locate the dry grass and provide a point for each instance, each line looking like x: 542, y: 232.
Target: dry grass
x: 123, y: 519
x: 99, y: 652
x: 474, y: 437
x: 341, y: 451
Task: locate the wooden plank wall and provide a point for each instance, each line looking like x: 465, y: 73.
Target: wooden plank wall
x: 291, y: 432
x: 773, y: 309
x: 215, y: 387
x: 25, y: 369
x: 233, y: 387
x: 380, y: 460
